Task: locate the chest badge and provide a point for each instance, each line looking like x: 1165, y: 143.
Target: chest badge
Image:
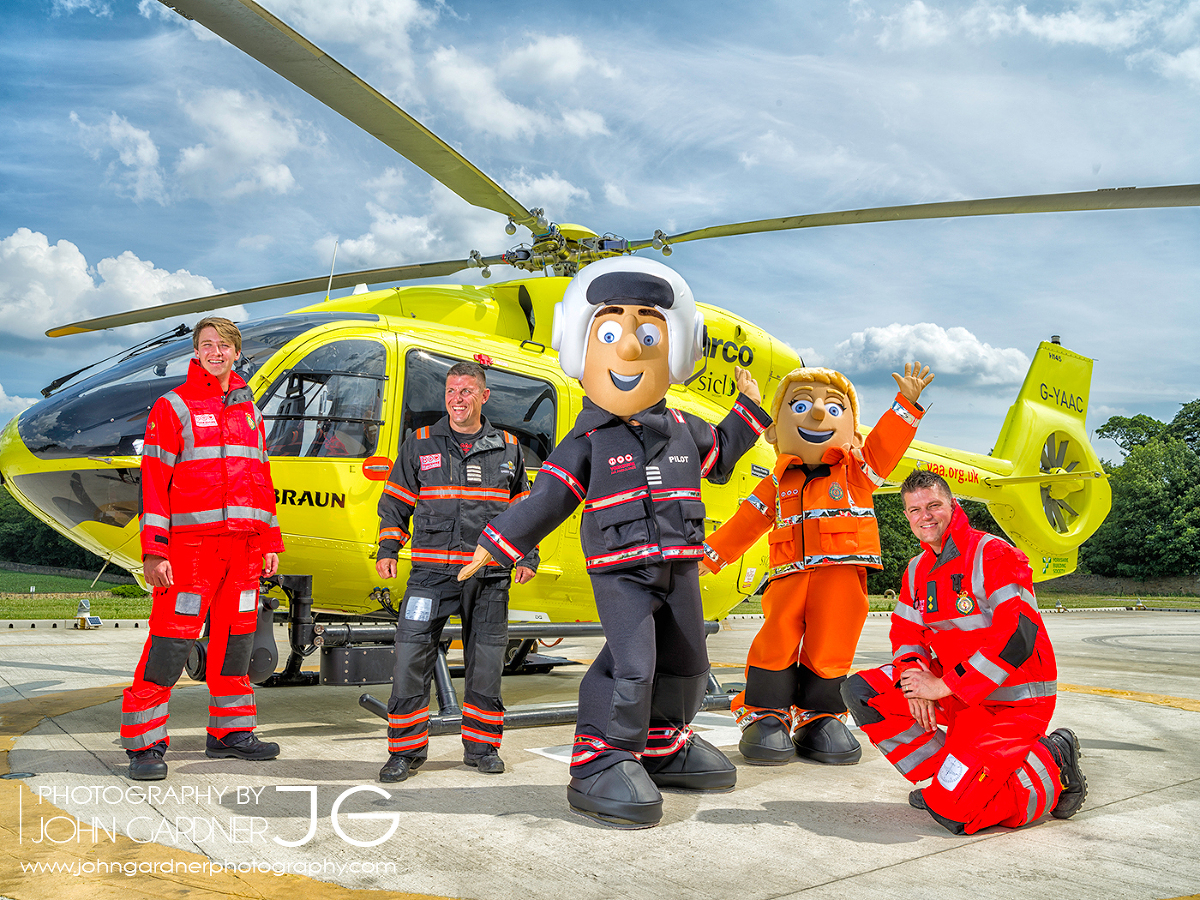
x: 206, y: 420
x: 836, y: 493
x: 430, y: 461
x: 623, y: 463
x: 965, y: 603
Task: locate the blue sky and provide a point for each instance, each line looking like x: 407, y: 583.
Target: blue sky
x: 145, y: 161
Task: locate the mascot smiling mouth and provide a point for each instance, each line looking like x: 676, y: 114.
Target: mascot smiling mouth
x: 626, y: 382
x: 815, y: 437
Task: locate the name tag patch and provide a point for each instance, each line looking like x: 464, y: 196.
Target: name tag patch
x: 247, y: 600
x: 431, y: 461
x: 206, y: 420
x: 419, y: 609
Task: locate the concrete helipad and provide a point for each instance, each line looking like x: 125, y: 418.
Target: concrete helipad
x: 315, y: 821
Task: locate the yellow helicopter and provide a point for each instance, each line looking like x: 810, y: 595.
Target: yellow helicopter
x: 341, y: 383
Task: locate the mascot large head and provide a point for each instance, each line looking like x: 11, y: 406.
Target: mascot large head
x: 628, y: 328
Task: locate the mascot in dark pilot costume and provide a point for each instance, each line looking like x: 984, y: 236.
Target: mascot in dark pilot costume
x: 628, y: 328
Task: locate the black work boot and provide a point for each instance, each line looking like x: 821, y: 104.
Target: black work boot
x: 398, y: 768
x: 147, y: 764
x: 696, y: 766
x: 1064, y: 747
x: 240, y: 745
x: 916, y: 800
x: 827, y: 740
x: 766, y: 742
x: 488, y: 762
x: 622, y: 796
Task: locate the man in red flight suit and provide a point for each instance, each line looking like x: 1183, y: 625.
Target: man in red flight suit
x: 970, y: 651
x: 208, y: 531
x: 817, y: 504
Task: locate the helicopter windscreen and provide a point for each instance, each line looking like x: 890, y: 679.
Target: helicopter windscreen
x: 105, y: 415
x: 522, y: 406
x: 328, y: 404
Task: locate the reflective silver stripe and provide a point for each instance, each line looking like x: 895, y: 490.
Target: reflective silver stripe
x: 213, y: 516
x: 274, y: 523
x: 231, y: 701
x: 153, y: 520
x: 187, y: 604
x: 1030, y: 691
x: 987, y: 668
x: 930, y: 748
x: 145, y: 739
x: 223, y: 452
x: 142, y: 716
x: 785, y: 569
x: 977, y: 586
x: 898, y: 409
x: 906, y: 612
x: 876, y: 478
x: 758, y: 504
x: 910, y: 650
x: 1010, y: 592
x: 1048, y: 782
x: 153, y: 451
x: 912, y: 577
x: 853, y: 559
x: 1027, y: 783
x: 185, y: 419
x: 908, y: 736
x: 854, y: 512
x: 965, y: 623
x: 237, y: 723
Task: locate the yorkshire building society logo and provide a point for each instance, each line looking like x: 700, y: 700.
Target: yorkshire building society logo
x: 835, y: 492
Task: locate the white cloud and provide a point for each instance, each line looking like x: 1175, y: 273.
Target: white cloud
x: 554, y: 59
x: 141, y: 176
x: 1084, y: 26
x: 471, y: 89
x: 551, y: 192
x: 387, y: 185
x: 248, y: 139
x: 953, y: 352
x: 615, y: 194
x: 915, y: 26
x: 95, y: 7
x: 10, y: 406
x: 584, y: 122
x: 43, y: 285
x: 1185, y: 65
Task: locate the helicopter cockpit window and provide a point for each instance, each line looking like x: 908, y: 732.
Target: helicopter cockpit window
x: 329, y: 403
x: 522, y: 406
x: 105, y: 414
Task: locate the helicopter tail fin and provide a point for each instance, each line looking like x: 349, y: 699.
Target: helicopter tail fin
x: 1059, y: 493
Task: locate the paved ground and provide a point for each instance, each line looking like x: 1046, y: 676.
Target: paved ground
x: 1130, y: 686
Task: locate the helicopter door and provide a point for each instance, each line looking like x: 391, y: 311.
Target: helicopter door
x: 524, y: 406
x: 323, y: 416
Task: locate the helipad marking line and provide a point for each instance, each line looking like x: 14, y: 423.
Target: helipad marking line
x: 1157, y: 699
x: 177, y: 883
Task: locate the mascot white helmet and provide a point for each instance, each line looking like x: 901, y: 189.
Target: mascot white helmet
x: 622, y: 280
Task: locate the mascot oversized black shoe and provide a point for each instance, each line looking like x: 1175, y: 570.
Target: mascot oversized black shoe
x: 696, y: 766
x: 766, y: 742
x: 827, y: 740
x: 622, y: 796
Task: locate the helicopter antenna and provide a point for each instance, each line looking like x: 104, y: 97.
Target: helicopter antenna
x: 332, y: 263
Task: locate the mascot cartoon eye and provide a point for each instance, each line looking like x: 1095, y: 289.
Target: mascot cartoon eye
x: 800, y: 407
x: 833, y: 409
x: 648, y: 335
x: 609, y: 332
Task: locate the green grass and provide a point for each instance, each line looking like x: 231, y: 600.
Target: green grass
x: 56, y: 597
x: 1046, y: 600
x: 20, y: 582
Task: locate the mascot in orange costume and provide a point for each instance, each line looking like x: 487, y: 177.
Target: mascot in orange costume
x: 823, y: 537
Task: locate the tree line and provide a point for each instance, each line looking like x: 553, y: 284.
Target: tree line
x: 1152, y: 530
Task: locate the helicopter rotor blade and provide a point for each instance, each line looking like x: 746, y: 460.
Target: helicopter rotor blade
x: 1106, y: 198
x: 271, y: 292
x: 265, y: 38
